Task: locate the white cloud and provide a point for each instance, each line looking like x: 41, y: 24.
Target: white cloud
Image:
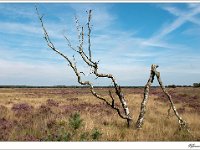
x: 177, y: 12
x: 182, y: 18
x: 16, y: 72
x: 32, y: 29
x: 19, y: 28
x: 101, y: 17
x: 120, y: 52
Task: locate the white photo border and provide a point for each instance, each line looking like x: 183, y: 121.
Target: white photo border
x: 100, y: 145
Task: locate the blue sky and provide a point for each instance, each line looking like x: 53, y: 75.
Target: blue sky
x: 126, y: 38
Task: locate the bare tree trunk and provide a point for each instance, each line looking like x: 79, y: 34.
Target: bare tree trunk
x: 154, y: 72
x: 94, y: 67
x: 140, y: 120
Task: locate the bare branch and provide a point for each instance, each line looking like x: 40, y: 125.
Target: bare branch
x: 182, y: 123
x: 117, y: 90
x: 93, y: 65
x: 89, y: 33
x: 78, y: 28
x: 82, y: 38
x: 113, y: 100
x: 69, y: 44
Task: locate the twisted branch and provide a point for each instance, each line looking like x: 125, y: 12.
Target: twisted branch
x: 182, y: 123
x: 92, y: 64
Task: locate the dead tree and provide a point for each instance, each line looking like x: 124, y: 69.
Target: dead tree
x: 125, y: 114
x: 92, y: 64
x: 153, y: 73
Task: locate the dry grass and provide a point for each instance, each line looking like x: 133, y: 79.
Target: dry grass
x: 43, y: 114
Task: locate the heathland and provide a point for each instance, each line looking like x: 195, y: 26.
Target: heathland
x: 74, y: 114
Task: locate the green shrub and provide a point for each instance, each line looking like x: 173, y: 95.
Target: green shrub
x: 60, y: 131
x: 96, y: 134
x: 75, y: 121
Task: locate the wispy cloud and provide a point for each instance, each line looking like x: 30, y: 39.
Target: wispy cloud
x: 179, y: 13
x: 123, y: 53
x: 17, y: 11
x: 182, y: 18
x: 194, y: 32
x: 101, y: 17
x: 19, y: 28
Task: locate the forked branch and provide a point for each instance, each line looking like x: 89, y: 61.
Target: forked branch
x: 94, y: 65
x: 154, y: 72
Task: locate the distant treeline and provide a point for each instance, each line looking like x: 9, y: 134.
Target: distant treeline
x: 174, y: 86
x: 196, y: 84
x: 72, y: 86
x: 35, y: 86
x: 62, y: 86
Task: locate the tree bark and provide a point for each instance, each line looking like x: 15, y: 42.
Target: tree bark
x: 140, y: 120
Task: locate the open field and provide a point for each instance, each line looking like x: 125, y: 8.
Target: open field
x: 45, y: 114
